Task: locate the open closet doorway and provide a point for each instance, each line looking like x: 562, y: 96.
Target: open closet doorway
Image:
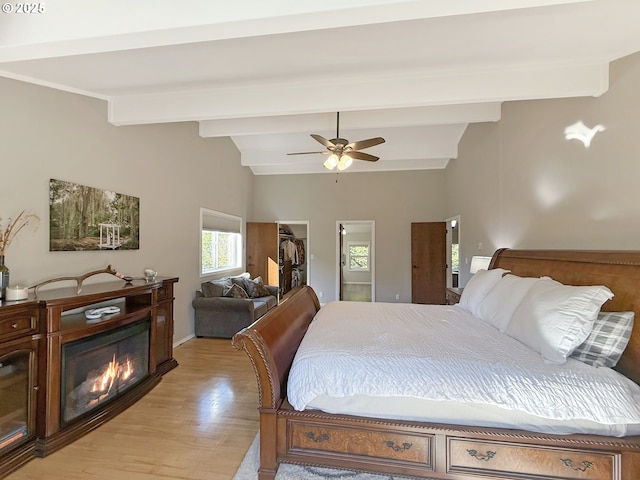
x: 293, y: 238
x: 355, y: 248
x: 453, y: 251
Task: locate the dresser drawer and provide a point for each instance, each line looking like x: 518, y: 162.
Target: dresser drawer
x: 19, y: 323
x: 404, y: 448
x: 527, y: 461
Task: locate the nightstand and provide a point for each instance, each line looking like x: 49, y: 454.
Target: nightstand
x: 453, y: 295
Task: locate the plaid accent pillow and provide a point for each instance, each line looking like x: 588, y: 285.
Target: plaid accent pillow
x: 255, y: 288
x: 236, y: 292
x: 608, y: 339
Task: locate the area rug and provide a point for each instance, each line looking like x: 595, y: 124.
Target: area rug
x: 248, y: 470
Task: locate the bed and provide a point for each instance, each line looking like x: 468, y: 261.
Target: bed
x: 437, y: 448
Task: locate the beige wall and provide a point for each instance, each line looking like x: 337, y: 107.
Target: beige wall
x: 538, y: 190
x: 46, y: 134
x: 516, y: 183
x: 473, y: 192
x: 393, y: 200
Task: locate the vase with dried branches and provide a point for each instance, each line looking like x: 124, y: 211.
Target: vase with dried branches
x: 7, y: 234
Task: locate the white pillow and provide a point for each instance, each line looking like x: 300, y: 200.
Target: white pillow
x: 502, y: 300
x: 478, y: 286
x: 554, y: 319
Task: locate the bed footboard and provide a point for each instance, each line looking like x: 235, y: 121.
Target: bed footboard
x: 271, y: 344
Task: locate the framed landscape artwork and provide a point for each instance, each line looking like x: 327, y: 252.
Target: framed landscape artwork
x: 87, y: 218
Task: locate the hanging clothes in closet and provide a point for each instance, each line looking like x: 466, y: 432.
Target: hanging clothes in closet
x: 296, y: 281
x: 300, y: 250
x: 292, y: 260
x: 289, y: 251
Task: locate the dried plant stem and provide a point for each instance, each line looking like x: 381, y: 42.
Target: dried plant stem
x: 13, y: 227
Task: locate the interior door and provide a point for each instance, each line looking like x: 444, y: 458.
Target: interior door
x: 428, y: 262
x: 262, y: 251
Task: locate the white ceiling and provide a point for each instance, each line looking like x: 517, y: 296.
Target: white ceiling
x: 268, y: 74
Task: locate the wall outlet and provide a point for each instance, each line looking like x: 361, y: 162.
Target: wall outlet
x: 397, y: 296
x: 320, y: 294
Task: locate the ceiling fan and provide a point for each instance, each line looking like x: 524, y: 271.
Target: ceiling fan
x: 341, y: 152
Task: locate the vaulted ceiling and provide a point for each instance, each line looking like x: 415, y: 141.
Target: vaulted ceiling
x: 267, y: 74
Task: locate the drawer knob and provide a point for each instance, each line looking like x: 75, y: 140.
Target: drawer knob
x: 569, y: 463
x: 322, y: 438
x: 398, y: 448
x: 485, y: 458
x: 14, y: 325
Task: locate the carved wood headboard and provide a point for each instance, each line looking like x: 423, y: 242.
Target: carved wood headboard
x: 618, y: 270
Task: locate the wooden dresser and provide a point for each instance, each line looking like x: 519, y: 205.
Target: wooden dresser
x: 453, y: 295
x: 21, y: 340
x: 33, y: 333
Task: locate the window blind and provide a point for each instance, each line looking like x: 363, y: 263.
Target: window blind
x: 220, y: 222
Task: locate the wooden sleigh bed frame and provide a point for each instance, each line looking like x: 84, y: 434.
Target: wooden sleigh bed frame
x: 441, y: 451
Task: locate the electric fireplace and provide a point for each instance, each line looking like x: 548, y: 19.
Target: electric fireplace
x: 64, y: 373
x: 97, y: 369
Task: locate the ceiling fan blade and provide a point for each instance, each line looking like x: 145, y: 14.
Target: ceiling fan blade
x: 304, y: 153
x: 366, y: 143
x: 362, y: 156
x: 323, y: 141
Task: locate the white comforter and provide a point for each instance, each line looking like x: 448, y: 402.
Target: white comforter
x: 443, y: 353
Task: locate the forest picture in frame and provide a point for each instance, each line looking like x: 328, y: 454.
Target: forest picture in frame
x: 88, y: 218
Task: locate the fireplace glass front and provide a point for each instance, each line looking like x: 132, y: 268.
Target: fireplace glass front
x: 14, y: 398
x: 98, y: 368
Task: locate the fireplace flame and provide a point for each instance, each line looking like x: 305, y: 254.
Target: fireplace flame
x: 127, y: 370
x: 104, y: 382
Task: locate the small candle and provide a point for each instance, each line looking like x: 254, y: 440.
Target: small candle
x: 17, y: 293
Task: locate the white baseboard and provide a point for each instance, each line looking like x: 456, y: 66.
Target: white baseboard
x: 184, y: 340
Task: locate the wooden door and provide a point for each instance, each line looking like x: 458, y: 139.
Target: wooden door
x: 262, y: 251
x: 428, y: 262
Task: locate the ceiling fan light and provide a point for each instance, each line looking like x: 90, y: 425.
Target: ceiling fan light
x: 331, y: 162
x: 344, y: 162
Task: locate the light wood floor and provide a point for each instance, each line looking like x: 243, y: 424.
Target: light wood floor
x: 196, y: 424
x: 356, y: 292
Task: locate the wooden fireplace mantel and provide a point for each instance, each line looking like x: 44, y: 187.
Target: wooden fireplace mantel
x: 41, y: 325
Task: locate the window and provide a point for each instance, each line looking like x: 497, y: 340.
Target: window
x: 359, y: 255
x: 220, y: 242
x: 219, y: 251
x: 455, y: 257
